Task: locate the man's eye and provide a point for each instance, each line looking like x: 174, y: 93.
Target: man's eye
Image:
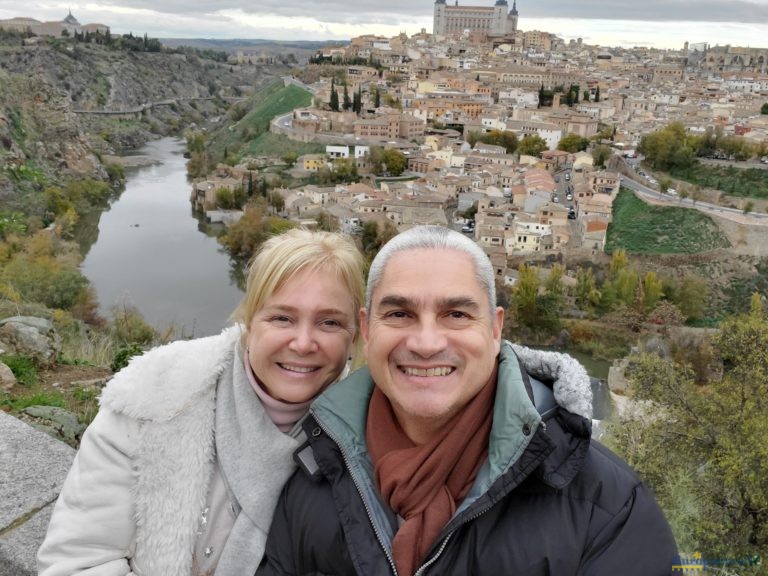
x: 458, y: 315
x: 397, y: 314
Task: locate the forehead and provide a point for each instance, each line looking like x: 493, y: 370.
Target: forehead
x: 425, y: 273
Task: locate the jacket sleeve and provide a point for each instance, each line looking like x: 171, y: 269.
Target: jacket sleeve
x: 92, y: 528
x: 637, y: 541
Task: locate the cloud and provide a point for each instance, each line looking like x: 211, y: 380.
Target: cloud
x: 399, y: 12
x: 655, y: 22
x: 652, y: 10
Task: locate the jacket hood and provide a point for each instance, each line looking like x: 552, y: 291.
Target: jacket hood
x: 570, y: 381
x: 159, y: 384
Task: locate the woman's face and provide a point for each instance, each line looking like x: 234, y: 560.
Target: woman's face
x: 298, y: 343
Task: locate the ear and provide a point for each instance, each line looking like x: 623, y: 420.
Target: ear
x: 497, y: 323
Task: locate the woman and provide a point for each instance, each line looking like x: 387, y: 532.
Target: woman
x: 180, y: 470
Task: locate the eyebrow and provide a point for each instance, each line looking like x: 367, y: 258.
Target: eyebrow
x: 463, y: 302
x: 324, y: 311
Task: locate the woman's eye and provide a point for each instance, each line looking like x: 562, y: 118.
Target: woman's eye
x: 397, y: 314
x: 280, y: 319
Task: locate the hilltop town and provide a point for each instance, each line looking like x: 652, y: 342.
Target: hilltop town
x: 444, y: 103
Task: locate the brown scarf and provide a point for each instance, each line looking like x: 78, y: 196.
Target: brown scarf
x: 424, y: 484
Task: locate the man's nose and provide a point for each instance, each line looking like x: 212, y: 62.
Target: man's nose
x: 428, y: 338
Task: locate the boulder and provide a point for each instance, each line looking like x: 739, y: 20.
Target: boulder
x: 58, y: 422
x: 617, y: 382
x: 7, y: 379
x: 30, y: 336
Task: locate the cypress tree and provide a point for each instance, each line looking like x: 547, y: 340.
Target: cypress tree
x: 347, y: 102
x: 334, y: 98
x: 357, y: 101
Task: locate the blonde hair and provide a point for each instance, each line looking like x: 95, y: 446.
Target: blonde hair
x: 282, y: 257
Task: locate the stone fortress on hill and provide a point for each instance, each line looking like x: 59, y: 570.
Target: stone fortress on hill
x: 493, y: 21
x: 69, y: 26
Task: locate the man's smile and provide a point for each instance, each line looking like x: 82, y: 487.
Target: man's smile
x: 435, y: 371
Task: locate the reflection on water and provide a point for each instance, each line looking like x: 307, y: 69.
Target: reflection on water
x: 149, y: 251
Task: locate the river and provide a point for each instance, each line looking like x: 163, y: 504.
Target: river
x: 152, y: 252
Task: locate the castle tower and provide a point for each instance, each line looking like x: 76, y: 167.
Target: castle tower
x: 440, y: 17
x: 512, y: 19
x: 499, y: 24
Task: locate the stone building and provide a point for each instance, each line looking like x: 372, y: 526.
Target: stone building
x: 490, y: 20
x: 69, y: 26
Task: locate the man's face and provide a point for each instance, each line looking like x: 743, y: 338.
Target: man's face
x: 431, y: 341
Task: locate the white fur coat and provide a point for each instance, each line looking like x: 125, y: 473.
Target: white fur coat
x: 139, y: 482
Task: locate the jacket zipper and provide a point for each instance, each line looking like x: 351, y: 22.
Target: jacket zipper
x: 362, y: 498
x: 434, y: 558
x: 437, y: 555
x: 475, y: 516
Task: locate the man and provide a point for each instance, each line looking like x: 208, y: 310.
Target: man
x: 442, y: 457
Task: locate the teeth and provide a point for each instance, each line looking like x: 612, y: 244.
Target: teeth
x: 300, y: 369
x: 439, y: 371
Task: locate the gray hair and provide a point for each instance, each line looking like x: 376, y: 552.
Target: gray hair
x: 432, y: 237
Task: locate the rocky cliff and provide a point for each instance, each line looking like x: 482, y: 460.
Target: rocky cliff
x: 59, y: 104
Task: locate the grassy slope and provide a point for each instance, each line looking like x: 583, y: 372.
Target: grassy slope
x: 242, y: 137
x: 269, y: 144
x: 744, y: 182
x: 641, y: 228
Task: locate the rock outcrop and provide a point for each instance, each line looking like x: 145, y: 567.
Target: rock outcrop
x: 30, y: 336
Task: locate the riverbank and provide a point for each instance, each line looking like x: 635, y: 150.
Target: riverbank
x: 151, y: 252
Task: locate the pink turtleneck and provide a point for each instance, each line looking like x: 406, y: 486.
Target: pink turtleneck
x: 283, y: 414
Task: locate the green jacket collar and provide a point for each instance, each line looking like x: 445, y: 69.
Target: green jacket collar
x: 343, y: 409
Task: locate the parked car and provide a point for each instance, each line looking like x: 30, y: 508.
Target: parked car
x: 571, y: 214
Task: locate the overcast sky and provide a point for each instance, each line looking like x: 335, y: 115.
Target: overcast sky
x: 661, y: 23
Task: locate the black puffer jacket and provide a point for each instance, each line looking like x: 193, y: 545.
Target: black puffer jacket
x: 548, y: 501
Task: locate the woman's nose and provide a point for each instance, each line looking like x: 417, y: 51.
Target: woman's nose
x: 303, y: 341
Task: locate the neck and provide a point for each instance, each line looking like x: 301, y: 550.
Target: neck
x: 419, y: 430
x: 283, y: 414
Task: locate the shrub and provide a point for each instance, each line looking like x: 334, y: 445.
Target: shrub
x: 116, y: 172
x: 129, y: 326
x: 124, y: 355
x: 38, y: 399
x: 22, y: 367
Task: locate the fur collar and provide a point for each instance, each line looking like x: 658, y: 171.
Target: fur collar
x: 570, y: 381
x: 161, y: 383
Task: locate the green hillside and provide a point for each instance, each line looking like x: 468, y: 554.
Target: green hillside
x: 257, y: 112
x: 641, y: 228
